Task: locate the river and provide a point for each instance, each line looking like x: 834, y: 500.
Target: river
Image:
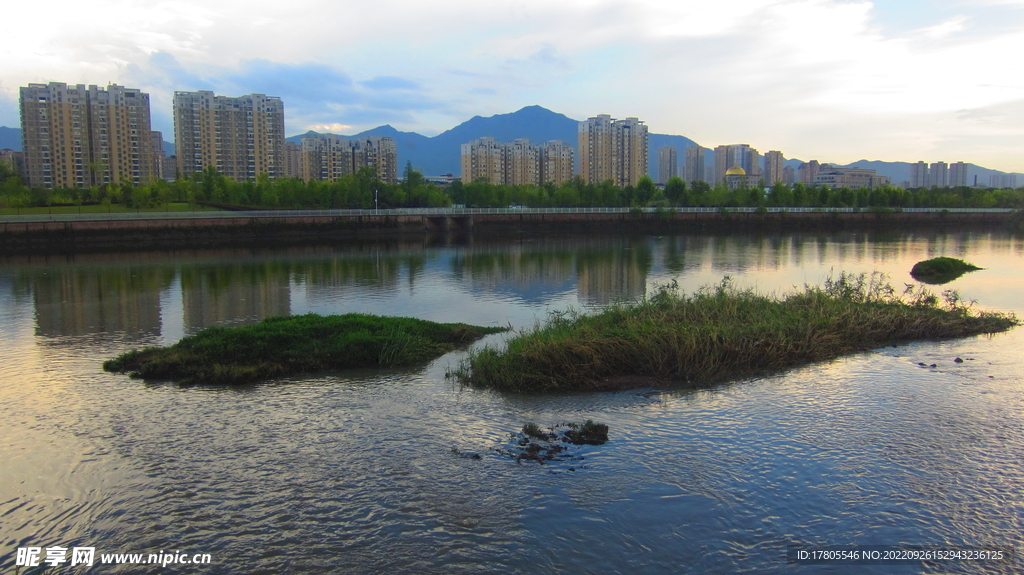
x: 355, y: 472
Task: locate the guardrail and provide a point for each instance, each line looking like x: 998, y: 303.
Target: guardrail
x: 258, y: 214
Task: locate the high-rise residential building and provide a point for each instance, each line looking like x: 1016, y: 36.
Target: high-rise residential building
x: 14, y: 160
x: 516, y: 163
x: 483, y: 159
x: 613, y: 150
x: 938, y: 175
x: 292, y: 160
x: 159, y: 156
x: 241, y: 137
x: 522, y: 163
x: 1002, y: 180
x: 808, y: 171
x: 74, y: 136
x: 328, y: 157
x: 741, y: 155
x: 918, y: 175
x: 381, y: 152
x: 773, y: 167
x: 557, y: 160
x: 788, y: 175
x: 668, y: 163
x: 957, y: 174
x: 694, y: 168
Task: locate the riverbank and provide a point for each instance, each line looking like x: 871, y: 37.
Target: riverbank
x: 282, y: 346
x: 719, y: 334
x: 67, y: 233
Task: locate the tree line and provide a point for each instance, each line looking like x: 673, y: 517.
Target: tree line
x: 363, y: 189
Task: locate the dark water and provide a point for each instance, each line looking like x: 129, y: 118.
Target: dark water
x: 354, y: 472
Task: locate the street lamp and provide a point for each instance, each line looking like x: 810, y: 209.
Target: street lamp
x: 375, y: 209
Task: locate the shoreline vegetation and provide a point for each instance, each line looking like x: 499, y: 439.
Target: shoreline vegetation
x: 287, y: 345
x: 364, y: 189
x: 941, y: 270
x: 720, y: 334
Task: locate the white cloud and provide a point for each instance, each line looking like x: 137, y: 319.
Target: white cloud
x: 334, y: 128
x: 780, y: 74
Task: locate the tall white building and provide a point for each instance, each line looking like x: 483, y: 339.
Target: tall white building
x: 918, y: 175
x: 938, y: 175
x: 957, y: 174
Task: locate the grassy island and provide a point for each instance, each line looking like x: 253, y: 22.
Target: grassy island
x: 280, y: 346
x: 941, y: 270
x: 719, y: 334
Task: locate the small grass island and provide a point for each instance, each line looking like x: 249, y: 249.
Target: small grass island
x: 719, y: 334
x: 941, y: 270
x: 280, y: 346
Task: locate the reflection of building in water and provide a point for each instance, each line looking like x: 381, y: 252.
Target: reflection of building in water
x: 83, y: 301
x: 378, y: 274
x: 532, y: 275
x: 603, y: 270
x: 605, y: 277
x: 233, y: 294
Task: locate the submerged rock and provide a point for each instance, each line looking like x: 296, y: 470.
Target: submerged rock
x: 554, y: 444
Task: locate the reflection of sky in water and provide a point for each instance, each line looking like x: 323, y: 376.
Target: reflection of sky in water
x: 488, y: 283
x: 355, y: 470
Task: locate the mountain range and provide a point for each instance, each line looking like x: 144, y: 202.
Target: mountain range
x: 439, y: 155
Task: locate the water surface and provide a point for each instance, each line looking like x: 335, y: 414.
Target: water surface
x: 353, y: 472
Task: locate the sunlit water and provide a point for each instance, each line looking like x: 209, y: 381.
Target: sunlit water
x: 354, y: 472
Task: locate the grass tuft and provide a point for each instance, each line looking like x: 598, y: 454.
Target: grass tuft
x: 721, y: 333
x: 280, y: 346
x: 941, y: 270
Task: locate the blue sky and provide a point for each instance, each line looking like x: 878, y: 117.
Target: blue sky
x: 817, y: 79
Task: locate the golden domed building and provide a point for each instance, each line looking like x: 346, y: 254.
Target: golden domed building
x: 736, y: 177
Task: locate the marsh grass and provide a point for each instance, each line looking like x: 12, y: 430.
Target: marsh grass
x: 941, y: 270
x: 721, y: 333
x: 281, y: 346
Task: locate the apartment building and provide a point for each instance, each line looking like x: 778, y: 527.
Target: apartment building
x: 836, y: 177
x: 938, y: 175
x: 292, y: 160
x: 517, y: 162
x: 241, y: 137
x: 957, y: 174
x: 328, y: 157
x: 613, y: 150
x: 773, y: 166
x: 557, y: 162
x: 918, y: 175
x: 78, y: 136
x: 694, y: 168
x: 808, y: 172
x: 741, y: 155
x: 668, y: 164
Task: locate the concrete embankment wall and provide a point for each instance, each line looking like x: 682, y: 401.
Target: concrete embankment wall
x: 216, y: 231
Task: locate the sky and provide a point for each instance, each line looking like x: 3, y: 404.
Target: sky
x: 836, y: 81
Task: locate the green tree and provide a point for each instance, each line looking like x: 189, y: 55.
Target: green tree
x: 675, y: 191
x: 645, y: 190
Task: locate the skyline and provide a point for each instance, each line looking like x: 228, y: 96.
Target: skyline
x: 816, y: 79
